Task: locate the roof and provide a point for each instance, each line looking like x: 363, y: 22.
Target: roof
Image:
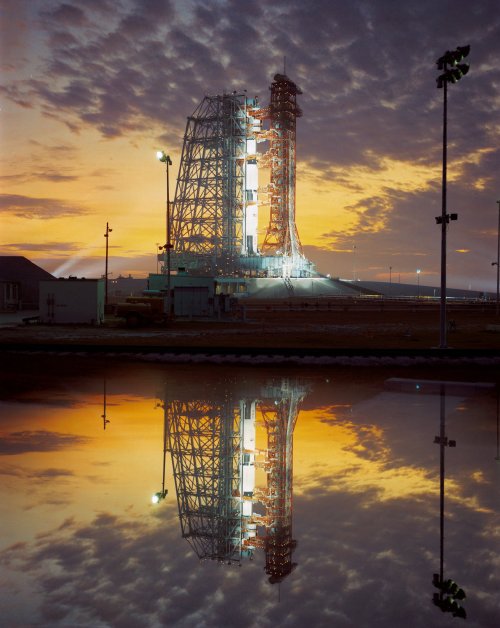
x: 19, y: 268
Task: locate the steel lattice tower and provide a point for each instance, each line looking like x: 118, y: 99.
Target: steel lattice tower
x: 209, y: 218
x: 282, y: 237
x: 203, y: 439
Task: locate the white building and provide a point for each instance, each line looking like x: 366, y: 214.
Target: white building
x: 72, y: 301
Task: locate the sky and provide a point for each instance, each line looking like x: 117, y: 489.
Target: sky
x: 82, y: 545
x: 89, y: 90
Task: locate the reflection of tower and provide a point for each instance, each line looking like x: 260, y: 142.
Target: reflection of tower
x: 204, y: 441
x: 213, y: 447
x: 279, y: 419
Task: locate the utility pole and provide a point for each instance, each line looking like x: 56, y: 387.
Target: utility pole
x: 106, y: 235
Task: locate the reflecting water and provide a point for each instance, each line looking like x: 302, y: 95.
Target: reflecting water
x: 292, y: 497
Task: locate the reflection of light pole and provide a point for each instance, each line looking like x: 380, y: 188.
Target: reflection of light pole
x: 106, y: 235
x: 497, y: 263
x: 105, y: 421
x: 161, y: 156
x: 497, y: 457
x: 450, y: 75
x: 418, y: 283
x: 450, y: 594
x: 158, y: 497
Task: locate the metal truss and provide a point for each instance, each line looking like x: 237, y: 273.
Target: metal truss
x: 207, y: 220
x: 204, y: 442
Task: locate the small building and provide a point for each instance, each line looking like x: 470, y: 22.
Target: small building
x: 192, y: 295
x: 19, y: 279
x: 72, y: 300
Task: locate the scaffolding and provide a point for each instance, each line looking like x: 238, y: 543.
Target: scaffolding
x: 214, y: 217
x: 212, y: 443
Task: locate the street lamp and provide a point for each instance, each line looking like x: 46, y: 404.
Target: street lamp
x: 106, y: 235
x: 452, y: 71
x: 164, y: 158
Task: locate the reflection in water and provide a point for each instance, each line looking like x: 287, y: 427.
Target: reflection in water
x: 450, y: 594
x: 105, y: 420
x: 81, y: 547
x: 212, y: 442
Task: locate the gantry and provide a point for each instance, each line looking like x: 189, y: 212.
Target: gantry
x: 215, y: 213
x: 212, y: 442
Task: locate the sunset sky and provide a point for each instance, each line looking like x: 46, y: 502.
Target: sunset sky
x: 90, y: 89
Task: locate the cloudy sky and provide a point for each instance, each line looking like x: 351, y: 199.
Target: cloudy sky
x: 90, y: 89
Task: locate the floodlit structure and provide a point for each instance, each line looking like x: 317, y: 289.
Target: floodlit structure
x: 213, y: 445
x: 215, y: 214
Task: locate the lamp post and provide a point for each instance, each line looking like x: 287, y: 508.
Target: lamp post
x: 161, y: 156
x: 497, y: 263
x: 390, y: 274
x: 106, y: 235
x: 452, y: 71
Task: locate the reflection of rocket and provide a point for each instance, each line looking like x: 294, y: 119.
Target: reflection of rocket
x: 214, y: 458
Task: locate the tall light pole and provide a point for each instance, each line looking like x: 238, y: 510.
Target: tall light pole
x: 497, y: 263
x: 106, y: 235
x: 161, y: 156
x: 452, y: 71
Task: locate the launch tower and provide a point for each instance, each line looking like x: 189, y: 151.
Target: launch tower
x: 215, y: 214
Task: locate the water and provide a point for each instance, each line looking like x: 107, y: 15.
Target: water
x: 293, y: 496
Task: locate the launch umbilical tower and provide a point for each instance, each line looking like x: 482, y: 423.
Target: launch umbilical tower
x: 215, y: 212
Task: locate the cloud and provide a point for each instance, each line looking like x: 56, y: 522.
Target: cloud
x: 32, y: 207
x: 38, y: 440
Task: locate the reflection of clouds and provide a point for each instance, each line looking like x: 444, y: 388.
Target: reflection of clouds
x: 38, y: 440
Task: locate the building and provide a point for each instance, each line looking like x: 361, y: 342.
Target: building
x: 19, y: 279
x: 66, y: 301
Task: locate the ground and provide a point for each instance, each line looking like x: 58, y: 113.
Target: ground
x: 294, y: 325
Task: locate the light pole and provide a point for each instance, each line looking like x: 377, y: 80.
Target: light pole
x: 161, y: 156
x: 452, y: 72
x: 497, y: 263
x: 390, y: 274
x: 418, y: 283
x: 106, y: 235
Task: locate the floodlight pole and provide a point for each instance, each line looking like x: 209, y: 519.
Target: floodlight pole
x: 452, y: 75
x: 442, y: 309
x: 161, y: 156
